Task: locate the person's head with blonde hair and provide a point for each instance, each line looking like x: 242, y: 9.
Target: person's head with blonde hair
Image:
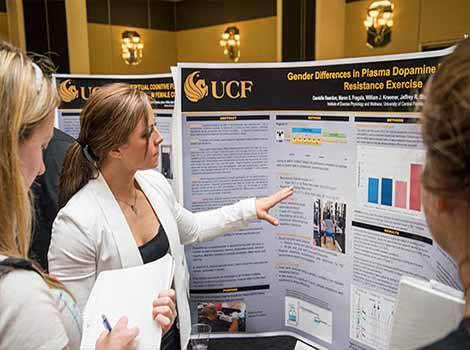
x: 27, y: 99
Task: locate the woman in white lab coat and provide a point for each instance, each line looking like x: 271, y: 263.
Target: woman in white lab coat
x: 119, y: 214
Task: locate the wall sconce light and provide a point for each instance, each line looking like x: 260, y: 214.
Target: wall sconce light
x: 231, y: 43
x: 379, y: 23
x: 132, y: 48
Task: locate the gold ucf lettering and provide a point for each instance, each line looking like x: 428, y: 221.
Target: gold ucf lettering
x: 85, y: 92
x: 233, y: 89
x: 246, y: 86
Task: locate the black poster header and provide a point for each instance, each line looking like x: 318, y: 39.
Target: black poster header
x: 386, y: 86
x: 74, y: 91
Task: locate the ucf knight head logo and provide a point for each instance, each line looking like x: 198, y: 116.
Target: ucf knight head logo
x: 67, y: 92
x: 195, y: 89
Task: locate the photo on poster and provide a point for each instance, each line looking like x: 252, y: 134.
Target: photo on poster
x: 329, y: 225
x: 223, y: 317
x: 165, y: 161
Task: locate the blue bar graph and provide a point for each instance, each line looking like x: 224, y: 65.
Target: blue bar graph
x: 373, y: 190
x: 387, y: 185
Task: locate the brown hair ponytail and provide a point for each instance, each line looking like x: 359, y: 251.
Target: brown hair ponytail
x: 446, y: 126
x: 77, y: 170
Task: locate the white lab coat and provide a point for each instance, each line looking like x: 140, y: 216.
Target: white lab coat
x: 91, y: 234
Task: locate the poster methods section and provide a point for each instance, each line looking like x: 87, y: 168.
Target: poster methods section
x: 74, y: 91
x: 346, y: 135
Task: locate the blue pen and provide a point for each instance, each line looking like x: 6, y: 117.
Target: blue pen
x: 106, y: 323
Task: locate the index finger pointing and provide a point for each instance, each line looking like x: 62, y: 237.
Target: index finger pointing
x: 283, y: 194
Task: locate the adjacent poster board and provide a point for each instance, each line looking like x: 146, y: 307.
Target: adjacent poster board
x: 74, y: 91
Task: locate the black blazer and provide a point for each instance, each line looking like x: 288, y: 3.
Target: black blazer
x: 46, y: 195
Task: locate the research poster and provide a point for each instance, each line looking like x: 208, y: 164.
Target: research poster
x: 346, y: 134
x: 74, y: 91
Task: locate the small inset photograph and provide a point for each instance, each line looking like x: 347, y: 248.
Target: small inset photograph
x: 329, y: 225
x: 223, y: 317
x: 165, y: 161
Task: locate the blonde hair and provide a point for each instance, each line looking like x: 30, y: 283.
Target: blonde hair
x: 446, y: 127
x: 108, y: 118
x: 27, y: 97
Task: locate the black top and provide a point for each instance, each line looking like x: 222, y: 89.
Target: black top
x: 459, y: 339
x: 46, y: 189
x: 156, y: 248
x: 153, y: 250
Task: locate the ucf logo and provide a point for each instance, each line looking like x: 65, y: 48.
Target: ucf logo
x: 197, y: 90
x: 68, y: 92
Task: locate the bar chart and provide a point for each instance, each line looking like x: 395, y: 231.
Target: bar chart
x: 390, y: 177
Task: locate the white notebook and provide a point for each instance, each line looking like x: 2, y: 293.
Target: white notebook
x: 424, y: 313
x: 127, y: 292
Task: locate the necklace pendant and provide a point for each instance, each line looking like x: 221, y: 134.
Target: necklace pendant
x: 134, y: 209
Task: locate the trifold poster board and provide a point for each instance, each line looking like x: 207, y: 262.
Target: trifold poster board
x: 74, y: 91
x: 346, y: 135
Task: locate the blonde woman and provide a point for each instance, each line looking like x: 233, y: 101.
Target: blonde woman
x: 35, y: 311
x: 119, y: 213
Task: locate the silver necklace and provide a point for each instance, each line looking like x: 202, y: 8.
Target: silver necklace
x: 132, y: 206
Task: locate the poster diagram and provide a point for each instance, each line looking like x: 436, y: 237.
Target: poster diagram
x: 371, y: 317
x: 309, y: 318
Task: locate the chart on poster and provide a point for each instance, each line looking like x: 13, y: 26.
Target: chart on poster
x: 394, y: 184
